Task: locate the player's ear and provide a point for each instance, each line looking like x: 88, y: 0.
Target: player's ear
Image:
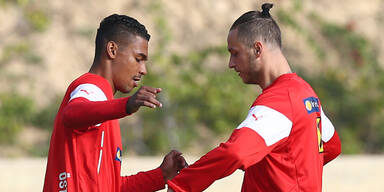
x: 112, y: 48
x: 257, y: 48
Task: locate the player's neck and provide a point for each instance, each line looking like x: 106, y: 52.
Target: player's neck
x: 103, y: 68
x: 276, y: 65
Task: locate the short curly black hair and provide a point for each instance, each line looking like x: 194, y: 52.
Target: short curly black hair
x: 115, y: 26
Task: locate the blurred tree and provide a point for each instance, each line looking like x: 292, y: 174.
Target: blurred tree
x: 15, y: 112
x: 203, y: 99
x: 350, y: 90
x: 16, y: 109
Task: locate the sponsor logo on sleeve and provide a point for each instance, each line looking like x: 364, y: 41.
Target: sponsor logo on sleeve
x: 311, y: 105
x: 118, y: 154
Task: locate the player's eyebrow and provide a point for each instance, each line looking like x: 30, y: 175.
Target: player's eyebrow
x: 143, y: 56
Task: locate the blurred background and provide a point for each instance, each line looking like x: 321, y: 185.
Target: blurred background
x: 337, y: 46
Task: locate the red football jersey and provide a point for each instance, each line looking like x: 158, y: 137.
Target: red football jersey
x: 282, y: 144
x: 85, y: 147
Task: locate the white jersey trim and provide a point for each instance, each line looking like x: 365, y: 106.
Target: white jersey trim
x: 270, y: 124
x: 327, y: 128
x: 101, y: 152
x: 98, y: 164
x: 88, y: 91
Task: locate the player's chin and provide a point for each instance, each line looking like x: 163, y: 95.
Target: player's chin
x: 249, y: 82
x: 126, y: 89
x: 245, y: 80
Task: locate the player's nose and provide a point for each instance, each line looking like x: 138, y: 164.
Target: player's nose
x: 231, y: 64
x: 143, y: 69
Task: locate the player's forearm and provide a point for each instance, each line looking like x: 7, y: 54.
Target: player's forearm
x: 215, y: 165
x: 243, y: 149
x: 143, y: 181
x: 81, y: 113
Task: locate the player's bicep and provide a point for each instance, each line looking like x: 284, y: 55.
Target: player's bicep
x: 270, y: 124
x: 263, y: 129
x: 79, y: 106
x: 332, y: 145
x: 88, y: 91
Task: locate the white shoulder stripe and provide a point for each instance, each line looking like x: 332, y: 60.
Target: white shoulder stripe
x: 327, y: 129
x: 270, y: 124
x: 88, y: 91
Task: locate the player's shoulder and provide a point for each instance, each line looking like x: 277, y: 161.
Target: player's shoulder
x: 299, y: 89
x: 91, y: 87
x: 301, y: 94
x: 291, y: 84
x: 278, y: 91
x: 90, y: 80
x: 281, y: 93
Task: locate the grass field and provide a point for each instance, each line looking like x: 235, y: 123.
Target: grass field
x: 345, y: 174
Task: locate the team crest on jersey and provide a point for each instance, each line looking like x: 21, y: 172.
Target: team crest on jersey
x: 311, y: 104
x: 118, y: 154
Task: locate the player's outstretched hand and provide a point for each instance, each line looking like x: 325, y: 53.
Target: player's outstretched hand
x: 173, y: 162
x: 145, y: 96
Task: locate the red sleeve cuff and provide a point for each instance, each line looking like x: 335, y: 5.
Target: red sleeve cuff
x: 147, y: 181
x: 158, y: 178
x: 123, y: 105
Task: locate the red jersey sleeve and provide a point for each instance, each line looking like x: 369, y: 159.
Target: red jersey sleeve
x: 81, y: 113
x: 330, y: 138
x: 88, y: 107
x: 143, y: 181
x: 332, y: 148
x: 262, y: 130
